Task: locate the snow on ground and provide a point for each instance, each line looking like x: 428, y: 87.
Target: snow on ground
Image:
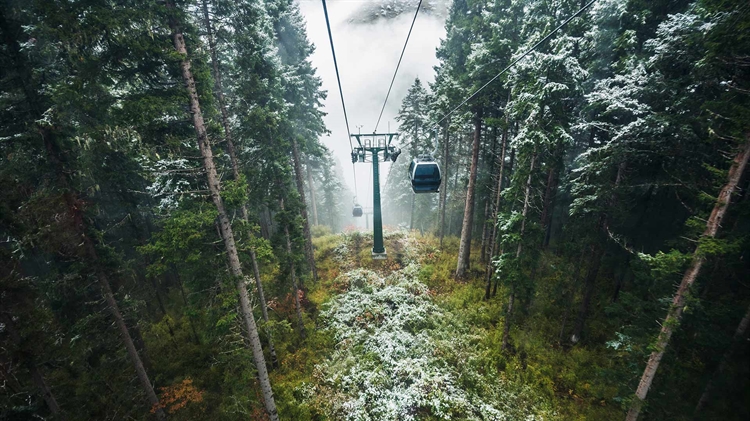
x: 399, y: 356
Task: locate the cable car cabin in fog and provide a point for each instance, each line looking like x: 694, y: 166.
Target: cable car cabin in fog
x: 424, y: 174
x: 357, y: 211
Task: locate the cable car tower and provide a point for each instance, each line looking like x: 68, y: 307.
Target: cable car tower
x: 373, y: 144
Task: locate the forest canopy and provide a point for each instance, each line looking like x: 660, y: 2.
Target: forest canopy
x: 176, y: 240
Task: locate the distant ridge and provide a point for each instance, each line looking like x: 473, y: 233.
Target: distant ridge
x: 377, y: 10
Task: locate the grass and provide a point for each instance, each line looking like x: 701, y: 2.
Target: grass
x: 574, y: 380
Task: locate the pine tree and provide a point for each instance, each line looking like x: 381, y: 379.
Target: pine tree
x: 224, y: 224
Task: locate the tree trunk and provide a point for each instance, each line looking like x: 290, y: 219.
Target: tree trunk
x: 508, y: 313
x: 444, y: 191
x: 266, y: 223
x: 549, y: 192
x: 739, y: 334
x: 519, y: 249
x: 161, y: 305
x: 498, y: 194
x: 621, y: 279
x: 292, y: 269
x: 297, y: 304
x: 588, y: 291
x: 678, y: 303
x: 510, y: 172
x: 488, y: 203
x: 178, y: 279
x: 74, y: 209
x: 89, y: 250
x: 455, y: 186
x: 214, y: 186
x: 597, y: 250
x: 311, y: 187
x: 263, y: 306
x: 569, y: 297
x: 309, y: 251
x: 464, y: 247
x: 485, y: 232
x: 411, y: 213
x: 36, y: 375
x: 129, y: 345
x: 526, y: 203
x: 49, y: 398
x: 219, y: 90
x: 295, y: 285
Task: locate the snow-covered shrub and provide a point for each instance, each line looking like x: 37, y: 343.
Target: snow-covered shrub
x: 399, y: 356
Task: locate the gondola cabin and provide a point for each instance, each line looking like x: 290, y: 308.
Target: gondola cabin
x: 424, y: 174
x: 357, y: 211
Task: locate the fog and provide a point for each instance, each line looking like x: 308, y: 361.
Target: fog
x: 368, y: 46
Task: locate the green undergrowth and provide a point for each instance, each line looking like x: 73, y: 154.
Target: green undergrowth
x: 337, y: 372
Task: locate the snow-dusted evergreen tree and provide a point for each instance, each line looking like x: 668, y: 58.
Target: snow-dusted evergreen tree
x: 545, y: 93
x: 624, y: 170
x: 335, y: 209
x: 414, y: 139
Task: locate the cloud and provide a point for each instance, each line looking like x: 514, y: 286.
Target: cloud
x: 367, y: 53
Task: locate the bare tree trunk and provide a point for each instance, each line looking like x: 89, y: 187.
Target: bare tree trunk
x: 214, y: 186
x: 739, y: 334
x: 464, y: 247
x: 519, y: 249
x: 444, y: 191
x: 295, y: 286
x: 489, y: 271
x: 678, y: 303
x: 218, y: 89
x: 311, y: 187
x: 36, y: 375
x: 309, y: 251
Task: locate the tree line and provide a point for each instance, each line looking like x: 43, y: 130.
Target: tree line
x: 602, y: 180
x: 156, y: 160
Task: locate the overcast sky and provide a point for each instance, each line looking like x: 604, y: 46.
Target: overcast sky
x: 367, y: 55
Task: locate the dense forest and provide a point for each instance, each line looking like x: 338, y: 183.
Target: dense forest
x: 173, y: 225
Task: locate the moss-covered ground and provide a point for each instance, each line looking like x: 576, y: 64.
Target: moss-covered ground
x: 325, y: 376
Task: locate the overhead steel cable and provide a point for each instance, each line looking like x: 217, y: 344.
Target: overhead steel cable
x: 403, y: 50
x: 338, y: 78
x: 341, y: 92
x: 527, y: 52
